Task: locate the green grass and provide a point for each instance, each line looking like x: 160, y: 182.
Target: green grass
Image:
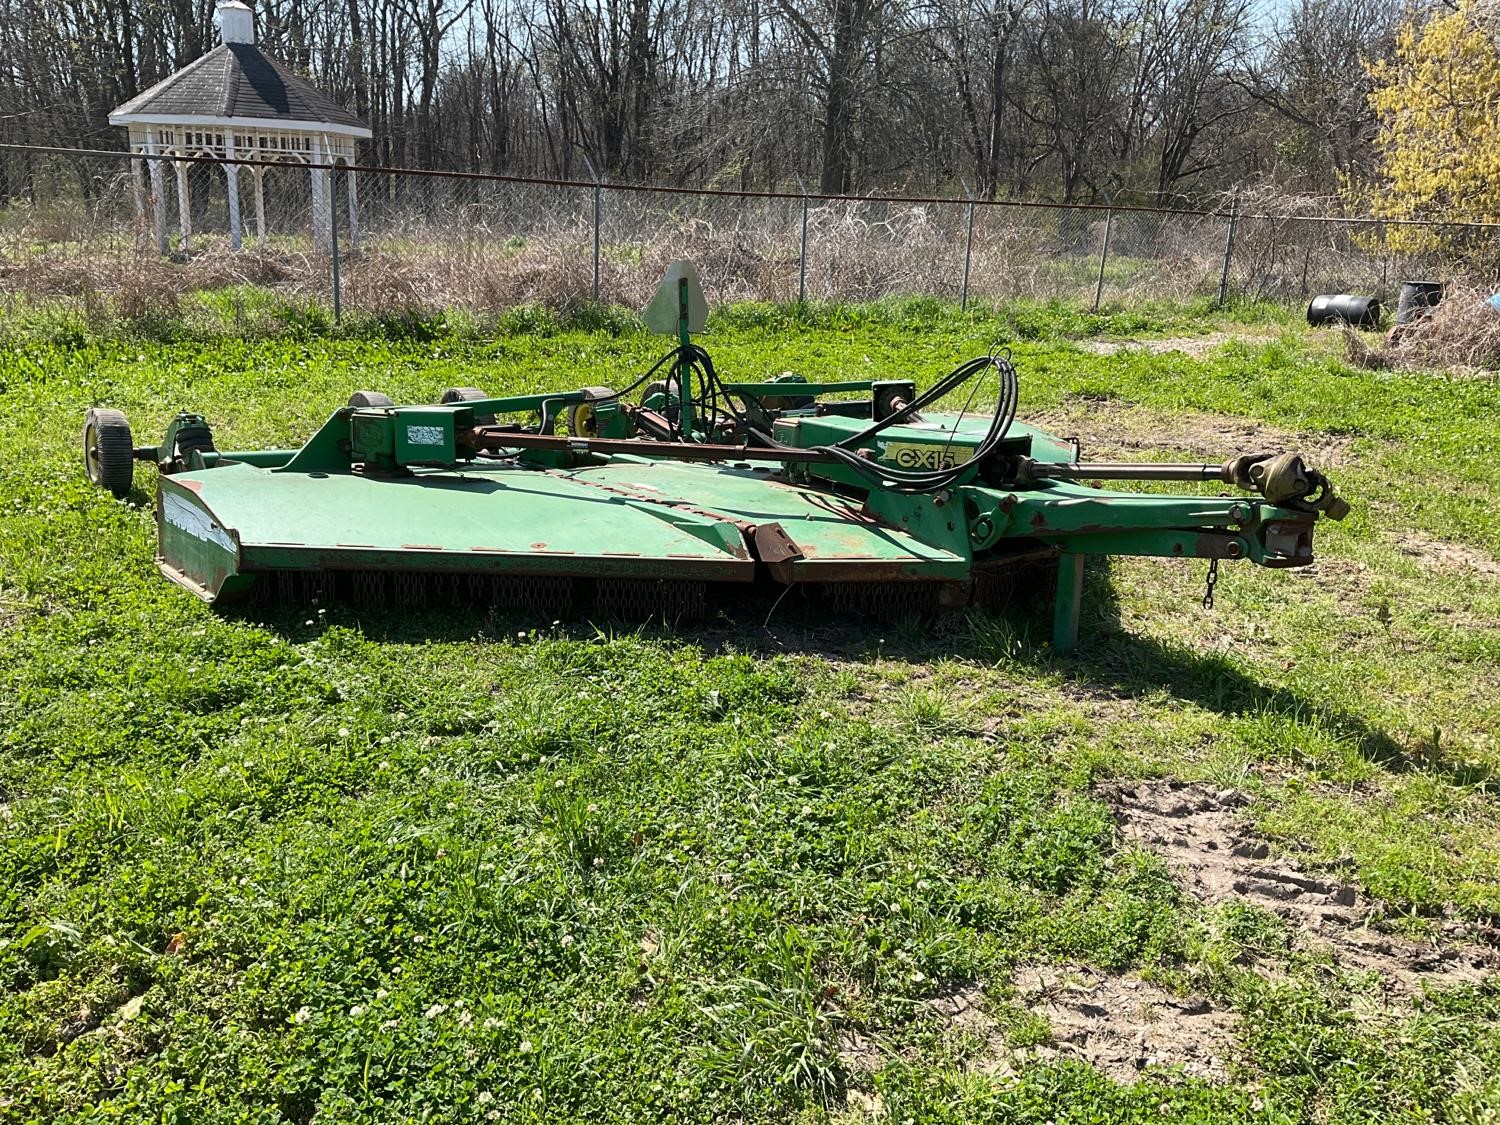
x: 444, y: 869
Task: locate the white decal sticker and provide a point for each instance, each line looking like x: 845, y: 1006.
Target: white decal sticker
x: 194, y: 521
x: 424, y: 435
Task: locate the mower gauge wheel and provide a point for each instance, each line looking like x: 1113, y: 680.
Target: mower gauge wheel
x: 369, y: 398
x: 462, y: 394
x: 109, y: 450
x: 581, y: 420
x: 467, y: 394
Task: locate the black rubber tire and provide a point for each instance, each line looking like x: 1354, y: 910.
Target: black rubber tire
x: 462, y: 394
x: 369, y: 398
x: 187, y: 443
x: 467, y: 394
x: 580, y: 420
x: 109, y: 450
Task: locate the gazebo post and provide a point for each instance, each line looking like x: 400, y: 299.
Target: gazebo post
x: 232, y: 181
x: 138, y: 197
x: 353, y: 207
x: 260, y: 205
x: 320, y: 195
x: 158, y: 195
x: 184, y: 206
x: 259, y: 172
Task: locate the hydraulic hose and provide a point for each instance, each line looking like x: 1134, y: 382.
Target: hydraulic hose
x: 712, y: 402
x: 905, y: 480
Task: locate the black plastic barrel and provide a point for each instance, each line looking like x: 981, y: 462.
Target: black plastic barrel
x: 1416, y: 298
x: 1330, y: 308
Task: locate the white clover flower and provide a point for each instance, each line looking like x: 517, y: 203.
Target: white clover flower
x: 302, y: 1015
x: 526, y: 1047
x: 436, y: 1010
x: 485, y: 1097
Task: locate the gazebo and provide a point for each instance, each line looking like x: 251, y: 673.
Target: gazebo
x: 237, y: 101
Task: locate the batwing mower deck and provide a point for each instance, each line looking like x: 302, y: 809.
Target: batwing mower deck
x: 597, y: 503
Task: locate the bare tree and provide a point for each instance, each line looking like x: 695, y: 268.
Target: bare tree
x: 1057, y: 99
x: 1312, y: 76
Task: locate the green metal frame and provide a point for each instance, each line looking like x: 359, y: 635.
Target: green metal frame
x: 411, y: 495
x: 782, y: 388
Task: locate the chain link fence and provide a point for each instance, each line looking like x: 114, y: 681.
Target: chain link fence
x: 95, y: 232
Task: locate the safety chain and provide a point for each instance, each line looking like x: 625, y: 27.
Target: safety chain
x: 1213, y: 578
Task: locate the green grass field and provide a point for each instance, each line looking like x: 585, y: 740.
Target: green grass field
x: 441, y: 868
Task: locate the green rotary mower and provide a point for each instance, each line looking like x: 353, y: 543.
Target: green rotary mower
x: 654, y: 499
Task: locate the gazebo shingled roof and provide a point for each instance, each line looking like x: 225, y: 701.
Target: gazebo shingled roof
x: 238, y: 81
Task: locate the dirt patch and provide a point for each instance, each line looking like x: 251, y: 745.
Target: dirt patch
x: 1108, y: 428
x: 859, y: 1054
x: 1352, y: 582
x: 963, y: 1010
x: 1219, y: 857
x: 1349, y: 580
x: 1188, y: 345
x: 1447, y: 558
x: 1124, y: 1025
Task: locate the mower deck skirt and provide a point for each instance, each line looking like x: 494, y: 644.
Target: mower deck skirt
x: 627, y: 519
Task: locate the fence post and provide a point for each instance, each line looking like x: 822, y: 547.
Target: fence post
x: 1109, y: 223
x: 333, y: 243
x: 802, y: 254
x: 598, y: 210
x: 1234, y: 218
x: 963, y: 301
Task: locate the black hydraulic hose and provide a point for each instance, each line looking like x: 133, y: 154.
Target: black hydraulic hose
x: 902, y: 480
x: 712, y: 401
x: 946, y: 385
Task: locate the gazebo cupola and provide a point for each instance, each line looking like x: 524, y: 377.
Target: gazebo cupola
x: 236, y: 102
